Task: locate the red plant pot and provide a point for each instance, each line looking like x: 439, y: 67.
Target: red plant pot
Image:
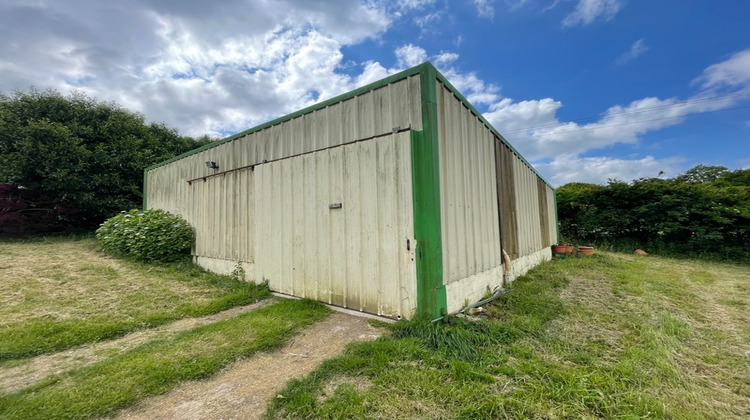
x: 559, y: 249
x: 586, y: 250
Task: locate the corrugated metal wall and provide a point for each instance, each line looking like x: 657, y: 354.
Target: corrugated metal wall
x: 527, y: 208
x: 277, y: 215
x: 504, y: 157
x: 355, y: 256
x: 480, y: 174
x: 468, y: 193
x: 541, y: 188
x: 369, y: 114
x: 221, y: 208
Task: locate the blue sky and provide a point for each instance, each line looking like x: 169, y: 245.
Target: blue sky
x: 587, y: 90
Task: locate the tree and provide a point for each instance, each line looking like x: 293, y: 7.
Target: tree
x: 78, y: 161
x: 683, y: 215
x: 738, y: 178
x: 703, y: 173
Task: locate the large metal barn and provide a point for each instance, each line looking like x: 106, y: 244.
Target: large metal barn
x: 394, y: 199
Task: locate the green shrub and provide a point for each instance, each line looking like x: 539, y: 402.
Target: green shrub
x: 150, y: 235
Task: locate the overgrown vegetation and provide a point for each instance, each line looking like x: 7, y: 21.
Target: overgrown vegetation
x: 702, y: 213
x: 146, y: 235
x: 62, y: 293
x: 608, y: 336
x: 158, y: 366
x: 69, y: 162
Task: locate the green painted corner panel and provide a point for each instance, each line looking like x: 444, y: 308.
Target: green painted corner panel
x: 431, y: 297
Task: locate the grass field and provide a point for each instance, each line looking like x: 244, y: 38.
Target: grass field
x: 156, y: 367
x: 611, y: 336
x: 57, y: 294
x: 62, y: 293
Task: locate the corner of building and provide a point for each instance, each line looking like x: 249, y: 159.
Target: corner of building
x: 431, y: 293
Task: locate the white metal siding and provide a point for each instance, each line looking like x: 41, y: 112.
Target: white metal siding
x: 221, y: 210
x: 355, y: 256
x: 527, y: 208
x: 468, y: 195
x: 371, y: 113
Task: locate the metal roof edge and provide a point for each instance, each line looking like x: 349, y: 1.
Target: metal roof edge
x: 336, y: 99
x: 351, y: 94
x: 474, y: 111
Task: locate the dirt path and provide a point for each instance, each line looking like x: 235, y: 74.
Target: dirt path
x: 36, y: 369
x: 241, y: 390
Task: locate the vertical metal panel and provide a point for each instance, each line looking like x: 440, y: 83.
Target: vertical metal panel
x: 368, y: 114
x: 221, y: 211
x: 527, y: 208
x: 354, y: 256
x: 541, y: 188
x: 468, y: 193
x: 506, y: 198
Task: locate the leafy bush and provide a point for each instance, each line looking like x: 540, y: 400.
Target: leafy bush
x: 78, y: 160
x: 150, y: 235
x: 705, y: 212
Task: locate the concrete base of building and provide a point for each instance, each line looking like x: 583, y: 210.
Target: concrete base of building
x: 226, y: 267
x: 466, y: 291
x: 520, y: 266
x: 459, y: 293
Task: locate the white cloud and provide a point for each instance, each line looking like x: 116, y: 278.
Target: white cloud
x: 559, y: 147
x: 414, y: 4
x: 538, y: 134
x: 733, y: 72
x: 410, y: 55
x: 639, y: 47
x: 229, y: 65
x: 373, y: 71
x: 551, y: 5
x: 587, y: 11
x: 445, y: 59
x: 533, y: 127
x: 598, y: 170
x: 485, y: 8
x: 476, y: 90
x: 204, y: 68
x: 426, y: 20
x: 516, y: 4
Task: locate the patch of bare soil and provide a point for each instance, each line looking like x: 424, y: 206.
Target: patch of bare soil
x: 38, y: 368
x: 242, y: 389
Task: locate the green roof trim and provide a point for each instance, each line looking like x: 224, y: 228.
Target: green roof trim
x: 356, y: 92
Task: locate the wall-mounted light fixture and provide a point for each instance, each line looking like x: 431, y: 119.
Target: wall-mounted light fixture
x: 212, y: 165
